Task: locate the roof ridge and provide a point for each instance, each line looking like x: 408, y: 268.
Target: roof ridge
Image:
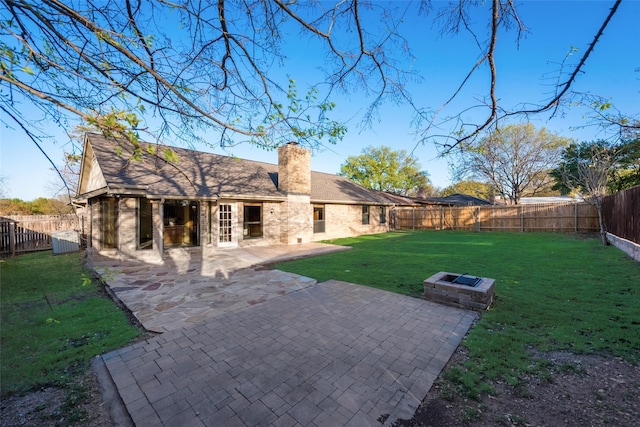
x: 190, y: 150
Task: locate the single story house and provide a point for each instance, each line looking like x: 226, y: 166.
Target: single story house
x: 549, y: 199
x: 453, y: 200
x: 207, y: 202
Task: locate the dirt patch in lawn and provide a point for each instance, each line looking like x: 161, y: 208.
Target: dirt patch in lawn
x: 79, y: 405
x: 580, y: 390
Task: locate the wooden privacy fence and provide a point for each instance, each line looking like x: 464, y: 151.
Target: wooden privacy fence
x: 29, y: 233
x: 621, y: 214
x: 560, y: 217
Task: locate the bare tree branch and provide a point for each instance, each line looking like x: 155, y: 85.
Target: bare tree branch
x: 206, y: 71
x: 501, y: 11
x: 565, y: 86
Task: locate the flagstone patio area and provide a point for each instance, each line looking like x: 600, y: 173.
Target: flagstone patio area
x: 187, y: 289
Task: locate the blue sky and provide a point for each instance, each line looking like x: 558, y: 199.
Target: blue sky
x: 525, y: 75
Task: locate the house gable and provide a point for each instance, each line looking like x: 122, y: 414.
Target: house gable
x: 91, y: 177
x: 194, y: 175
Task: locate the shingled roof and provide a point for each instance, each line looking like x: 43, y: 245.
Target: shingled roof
x: 202, y: 175
x: 454, y: 200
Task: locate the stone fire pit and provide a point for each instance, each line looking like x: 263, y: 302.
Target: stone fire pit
x: 460, y: 290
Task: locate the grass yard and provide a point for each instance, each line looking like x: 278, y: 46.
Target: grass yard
x: 553, y: 292
x: 54, y: 321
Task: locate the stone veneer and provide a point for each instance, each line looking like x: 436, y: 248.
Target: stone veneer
x: 294, y: 180
x: 294, y: 169
x: 438, y: 288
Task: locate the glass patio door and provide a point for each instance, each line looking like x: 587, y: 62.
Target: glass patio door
x: 228, y: 233
x: 225, y: 224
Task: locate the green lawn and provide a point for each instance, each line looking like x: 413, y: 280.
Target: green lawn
x: 553, y: 292
x: 54, y: 320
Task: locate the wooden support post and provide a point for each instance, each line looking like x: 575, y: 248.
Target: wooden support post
x: 493, y: 208
x: 413, y: 218
x: 12, y: 238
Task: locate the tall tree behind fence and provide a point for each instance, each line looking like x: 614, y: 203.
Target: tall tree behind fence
x: 621, y: 214
x: 29, y: 233
x: 560, y: 217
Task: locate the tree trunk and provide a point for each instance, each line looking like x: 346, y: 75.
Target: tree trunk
x: 603, y: 232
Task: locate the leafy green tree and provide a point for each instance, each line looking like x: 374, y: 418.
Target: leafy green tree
x: 595, y: 169
x: 470, y: 187
x: 619, y: 164
x: 612, y: 124
x: 14, y: 207
x: 515, y: 160
x: 48, y: 206
x: 39, y: 206
x: 387, y: 170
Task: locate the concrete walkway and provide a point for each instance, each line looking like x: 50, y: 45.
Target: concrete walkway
x: 328, y: 354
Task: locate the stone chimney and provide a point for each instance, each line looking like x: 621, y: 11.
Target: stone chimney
x: 294, y: 169
x: 294, y: 180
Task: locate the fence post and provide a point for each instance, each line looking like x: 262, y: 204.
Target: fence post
x: 413, y: 218
x: 12, y: 238
x: 521, y: 218
x: 478, y: 217
x: 575, y: 217
x: 493, y: 211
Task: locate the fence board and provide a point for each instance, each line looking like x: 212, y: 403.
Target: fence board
x: 562, y: 217
x: 621, y: 214
x: 28, y: 233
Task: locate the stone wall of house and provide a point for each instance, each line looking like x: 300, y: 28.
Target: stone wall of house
x: 128, y: 231
x: 346, y: 221
x: 127, y: 225
x: 94, y: 230
x: 271, y: 220
x: 208, y: 227
x: 296, y: 220
x: 205, y: 234
x: 157, y: 219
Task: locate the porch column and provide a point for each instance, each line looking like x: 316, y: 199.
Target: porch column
x: 158, y: 218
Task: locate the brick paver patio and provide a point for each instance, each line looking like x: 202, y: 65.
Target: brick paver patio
x: 326, y: 355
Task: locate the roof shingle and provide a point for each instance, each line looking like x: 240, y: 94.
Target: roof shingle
x: 205, y: 175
